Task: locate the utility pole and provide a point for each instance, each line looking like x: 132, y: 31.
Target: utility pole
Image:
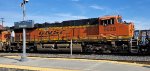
x: 24, y: 56
x: 2, y: 19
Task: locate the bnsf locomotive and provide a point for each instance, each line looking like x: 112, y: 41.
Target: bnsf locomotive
x: 107, y: 34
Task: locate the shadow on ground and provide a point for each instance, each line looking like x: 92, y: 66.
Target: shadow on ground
x: 147, y: 66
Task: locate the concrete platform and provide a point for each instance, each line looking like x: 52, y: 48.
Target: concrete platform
x: 64, y: 64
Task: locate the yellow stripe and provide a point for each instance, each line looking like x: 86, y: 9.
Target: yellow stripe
x: 31, y: 68
x: 67, y: 27
x: 84, y: 60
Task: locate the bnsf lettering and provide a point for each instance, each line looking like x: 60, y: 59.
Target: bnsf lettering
x: 110, y: 29
x: 50, y: 32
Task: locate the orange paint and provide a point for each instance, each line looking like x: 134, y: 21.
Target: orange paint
x: 108, y: 27
x: 4, y: 36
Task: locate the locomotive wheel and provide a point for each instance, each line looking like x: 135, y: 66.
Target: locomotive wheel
x: 105, y: 49
x: 8, y: 49
x: 88, y: 49
x: 32, y: 49
x: 19, y: 50
x: 4, y: 49
x: 11, y: 49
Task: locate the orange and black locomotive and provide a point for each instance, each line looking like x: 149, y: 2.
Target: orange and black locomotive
x: 107, y: 34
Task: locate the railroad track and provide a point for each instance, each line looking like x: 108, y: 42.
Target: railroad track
x: 111, y: 57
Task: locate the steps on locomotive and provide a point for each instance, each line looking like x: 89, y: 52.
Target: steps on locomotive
x: 134, y: 46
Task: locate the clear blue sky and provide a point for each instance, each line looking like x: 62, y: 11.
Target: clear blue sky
x: 137, y: 11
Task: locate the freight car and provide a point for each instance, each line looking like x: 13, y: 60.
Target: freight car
x: 107, y: 34
x: 143, y: 41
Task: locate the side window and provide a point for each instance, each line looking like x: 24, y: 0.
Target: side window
x: 119, y: 20
x: 102, y: 22
x: 107, y: 22
x: 112, y: 21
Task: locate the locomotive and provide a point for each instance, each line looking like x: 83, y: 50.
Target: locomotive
x: 107, y: 34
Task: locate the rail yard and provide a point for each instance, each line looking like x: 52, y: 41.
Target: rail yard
x: 102, y: 38
x: 97, y: 39
x: 95, y: 43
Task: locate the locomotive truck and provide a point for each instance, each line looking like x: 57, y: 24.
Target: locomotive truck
x: 107, y: 34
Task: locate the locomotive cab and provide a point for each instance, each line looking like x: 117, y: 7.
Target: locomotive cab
x: 117, y: 33
x: 112, y: 27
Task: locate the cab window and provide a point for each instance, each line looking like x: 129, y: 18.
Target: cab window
x: 107, y: 22
x: 119, y: 20
x: 112, y: 21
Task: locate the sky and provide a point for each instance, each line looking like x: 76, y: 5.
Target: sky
x: 137, y: 11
